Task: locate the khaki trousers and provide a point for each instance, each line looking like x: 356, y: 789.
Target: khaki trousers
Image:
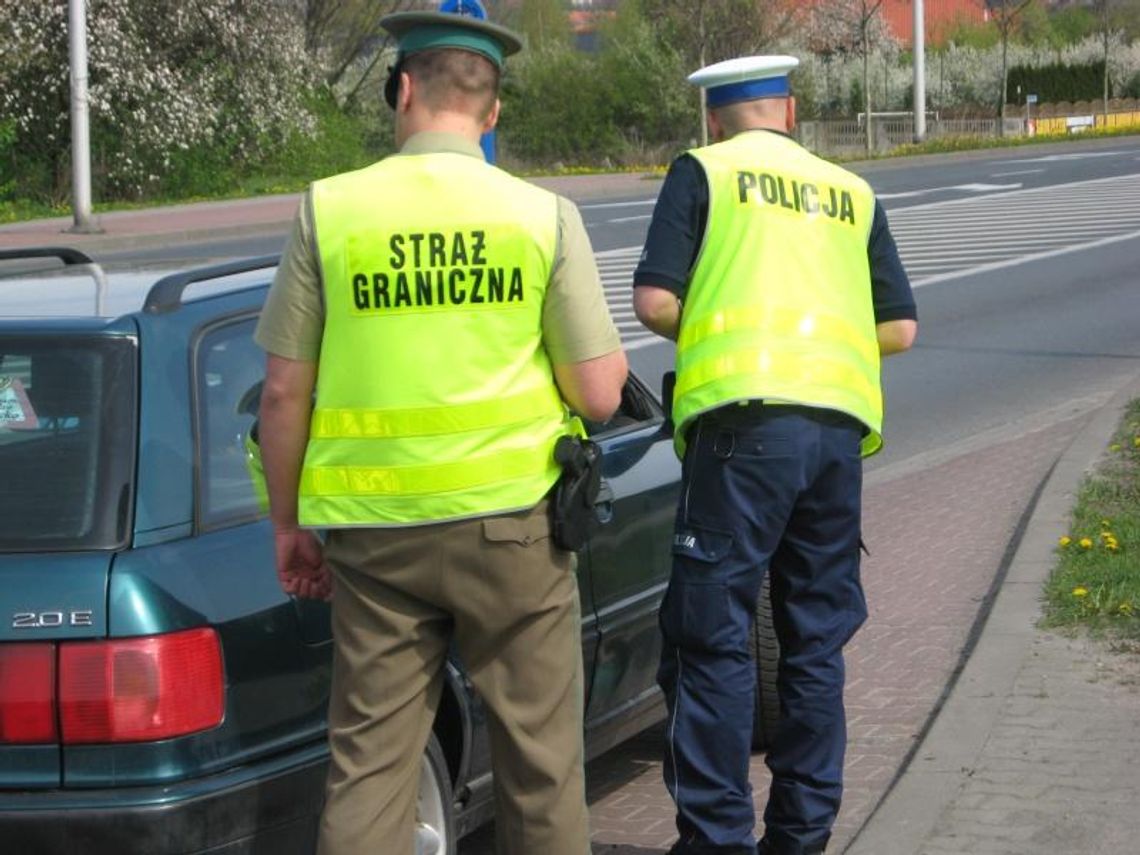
x: 508, y: 599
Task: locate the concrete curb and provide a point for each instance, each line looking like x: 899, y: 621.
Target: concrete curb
x: 962, y: 725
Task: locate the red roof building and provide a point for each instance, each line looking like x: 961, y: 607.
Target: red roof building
x: 941, y: 16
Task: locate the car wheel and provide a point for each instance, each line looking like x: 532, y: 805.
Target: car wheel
x: 766, y: 657
x: 435, y: 805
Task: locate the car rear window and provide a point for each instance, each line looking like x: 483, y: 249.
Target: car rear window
x: 67, y: 436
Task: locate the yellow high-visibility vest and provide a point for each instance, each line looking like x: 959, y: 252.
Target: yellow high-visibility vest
x: 779, y: 304
x: 435, y: 398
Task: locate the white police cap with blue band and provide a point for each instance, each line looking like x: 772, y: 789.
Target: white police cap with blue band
x: 745, y: 78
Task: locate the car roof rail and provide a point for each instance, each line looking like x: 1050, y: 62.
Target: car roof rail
x: 66, y: 254
x: 166, y: 294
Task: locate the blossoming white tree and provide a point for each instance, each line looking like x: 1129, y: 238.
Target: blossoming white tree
x: 165, y: 76
x: 853, y: 27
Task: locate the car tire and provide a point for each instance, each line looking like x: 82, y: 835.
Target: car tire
x: 435, y: 805
x: 766, y: 658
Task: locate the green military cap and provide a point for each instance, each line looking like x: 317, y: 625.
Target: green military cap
x: 419, y: 31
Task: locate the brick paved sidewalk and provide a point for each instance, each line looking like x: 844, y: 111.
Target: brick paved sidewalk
x: 938, y: 540
x: 1035, y: 749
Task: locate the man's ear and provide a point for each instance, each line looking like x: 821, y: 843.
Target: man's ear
x: 492, y: 117
x: 716, y: 129
x: 404, y: 93
x: 791, y: 118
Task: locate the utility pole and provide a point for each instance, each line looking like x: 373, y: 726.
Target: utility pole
x: 919, y: 72
x: 1104, y: 36
x: 80, y: 130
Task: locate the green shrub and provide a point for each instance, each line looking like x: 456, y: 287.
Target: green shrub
x: 630, y: 103
x: 342, y: 139
x: 554, y: 107
x: 1059, y: 82
x: 1132, y: 87
x: 7, y: 159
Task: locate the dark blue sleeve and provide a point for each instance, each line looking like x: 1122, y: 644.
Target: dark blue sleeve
x: 676, y: 229
x: 890, y: 287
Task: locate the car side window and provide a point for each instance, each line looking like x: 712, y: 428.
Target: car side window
x: 637, y: 410
x: 229, y: 368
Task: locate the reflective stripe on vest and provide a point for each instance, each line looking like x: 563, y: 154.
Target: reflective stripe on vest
x: 779, y: 304
x: 435, y: 398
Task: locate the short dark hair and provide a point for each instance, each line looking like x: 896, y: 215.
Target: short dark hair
x: 455, y: 79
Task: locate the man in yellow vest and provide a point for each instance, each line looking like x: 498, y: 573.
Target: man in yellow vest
x: 445, y: 314
x: 776, y: 274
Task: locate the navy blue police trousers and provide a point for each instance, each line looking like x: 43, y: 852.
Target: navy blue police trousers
x: 765, y: 489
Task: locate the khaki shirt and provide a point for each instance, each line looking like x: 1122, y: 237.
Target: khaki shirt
x: 576, y: 322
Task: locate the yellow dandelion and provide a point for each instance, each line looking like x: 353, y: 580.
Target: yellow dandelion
x: 1136, y: 442
x: 1114, y: 447
x: 1106, y: 524
x: 1064, y: 540
x: 1085, y: 543
x: 1125, y: 608
x: 1080, y: 591
x: 1112, y: 546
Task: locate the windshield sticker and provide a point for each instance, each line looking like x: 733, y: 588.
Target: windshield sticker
x: 15, y: 409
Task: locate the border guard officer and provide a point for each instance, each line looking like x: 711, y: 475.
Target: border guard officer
x: 446, y: 314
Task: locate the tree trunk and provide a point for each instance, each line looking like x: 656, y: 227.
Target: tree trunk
x: 701, y: 59
x: 1004, y: 79
x: 1104, y: 22
x: 867, y: 88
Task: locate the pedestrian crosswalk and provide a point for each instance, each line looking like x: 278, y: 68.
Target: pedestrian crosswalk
x: 945, y: 240
x: 950, y: 239
x: 616, y: 267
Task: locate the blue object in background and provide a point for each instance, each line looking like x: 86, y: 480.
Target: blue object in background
x: 464, y: 7
x: 474, y: 9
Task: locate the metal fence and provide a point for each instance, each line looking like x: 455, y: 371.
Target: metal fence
x: 848, y: 137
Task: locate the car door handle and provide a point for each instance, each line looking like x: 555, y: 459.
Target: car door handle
x: 604, y: 503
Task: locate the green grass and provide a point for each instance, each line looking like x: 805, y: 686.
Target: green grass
x: 20, y: 209
x: 1096, y: 583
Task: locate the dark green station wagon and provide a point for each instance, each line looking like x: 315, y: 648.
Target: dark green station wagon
x: 158, y: 691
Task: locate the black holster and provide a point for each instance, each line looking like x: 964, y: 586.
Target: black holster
x: 573, y: 518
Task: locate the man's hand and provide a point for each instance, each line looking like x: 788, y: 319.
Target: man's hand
x: 301, y: 567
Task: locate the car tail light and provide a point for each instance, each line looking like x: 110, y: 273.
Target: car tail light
x: 27, y: 693
x: 140, y: 689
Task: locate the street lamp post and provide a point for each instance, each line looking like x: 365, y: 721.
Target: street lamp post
x: 919, y: 72
x: 80, y: 130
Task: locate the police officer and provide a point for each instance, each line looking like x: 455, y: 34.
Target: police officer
x: 445, y: 314
x: 777, y: 275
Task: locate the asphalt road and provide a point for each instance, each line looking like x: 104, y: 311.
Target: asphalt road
x: 1028, y: 287
x: 1027, y: 268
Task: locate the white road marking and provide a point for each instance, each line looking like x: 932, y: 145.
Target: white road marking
x: 1016, y: 172
x: 963, y: 237
x: 955, y: 238
x: 966, y: 188
x: 1025, y: 259
x: 597, y: 206
x: 1077, y: 155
